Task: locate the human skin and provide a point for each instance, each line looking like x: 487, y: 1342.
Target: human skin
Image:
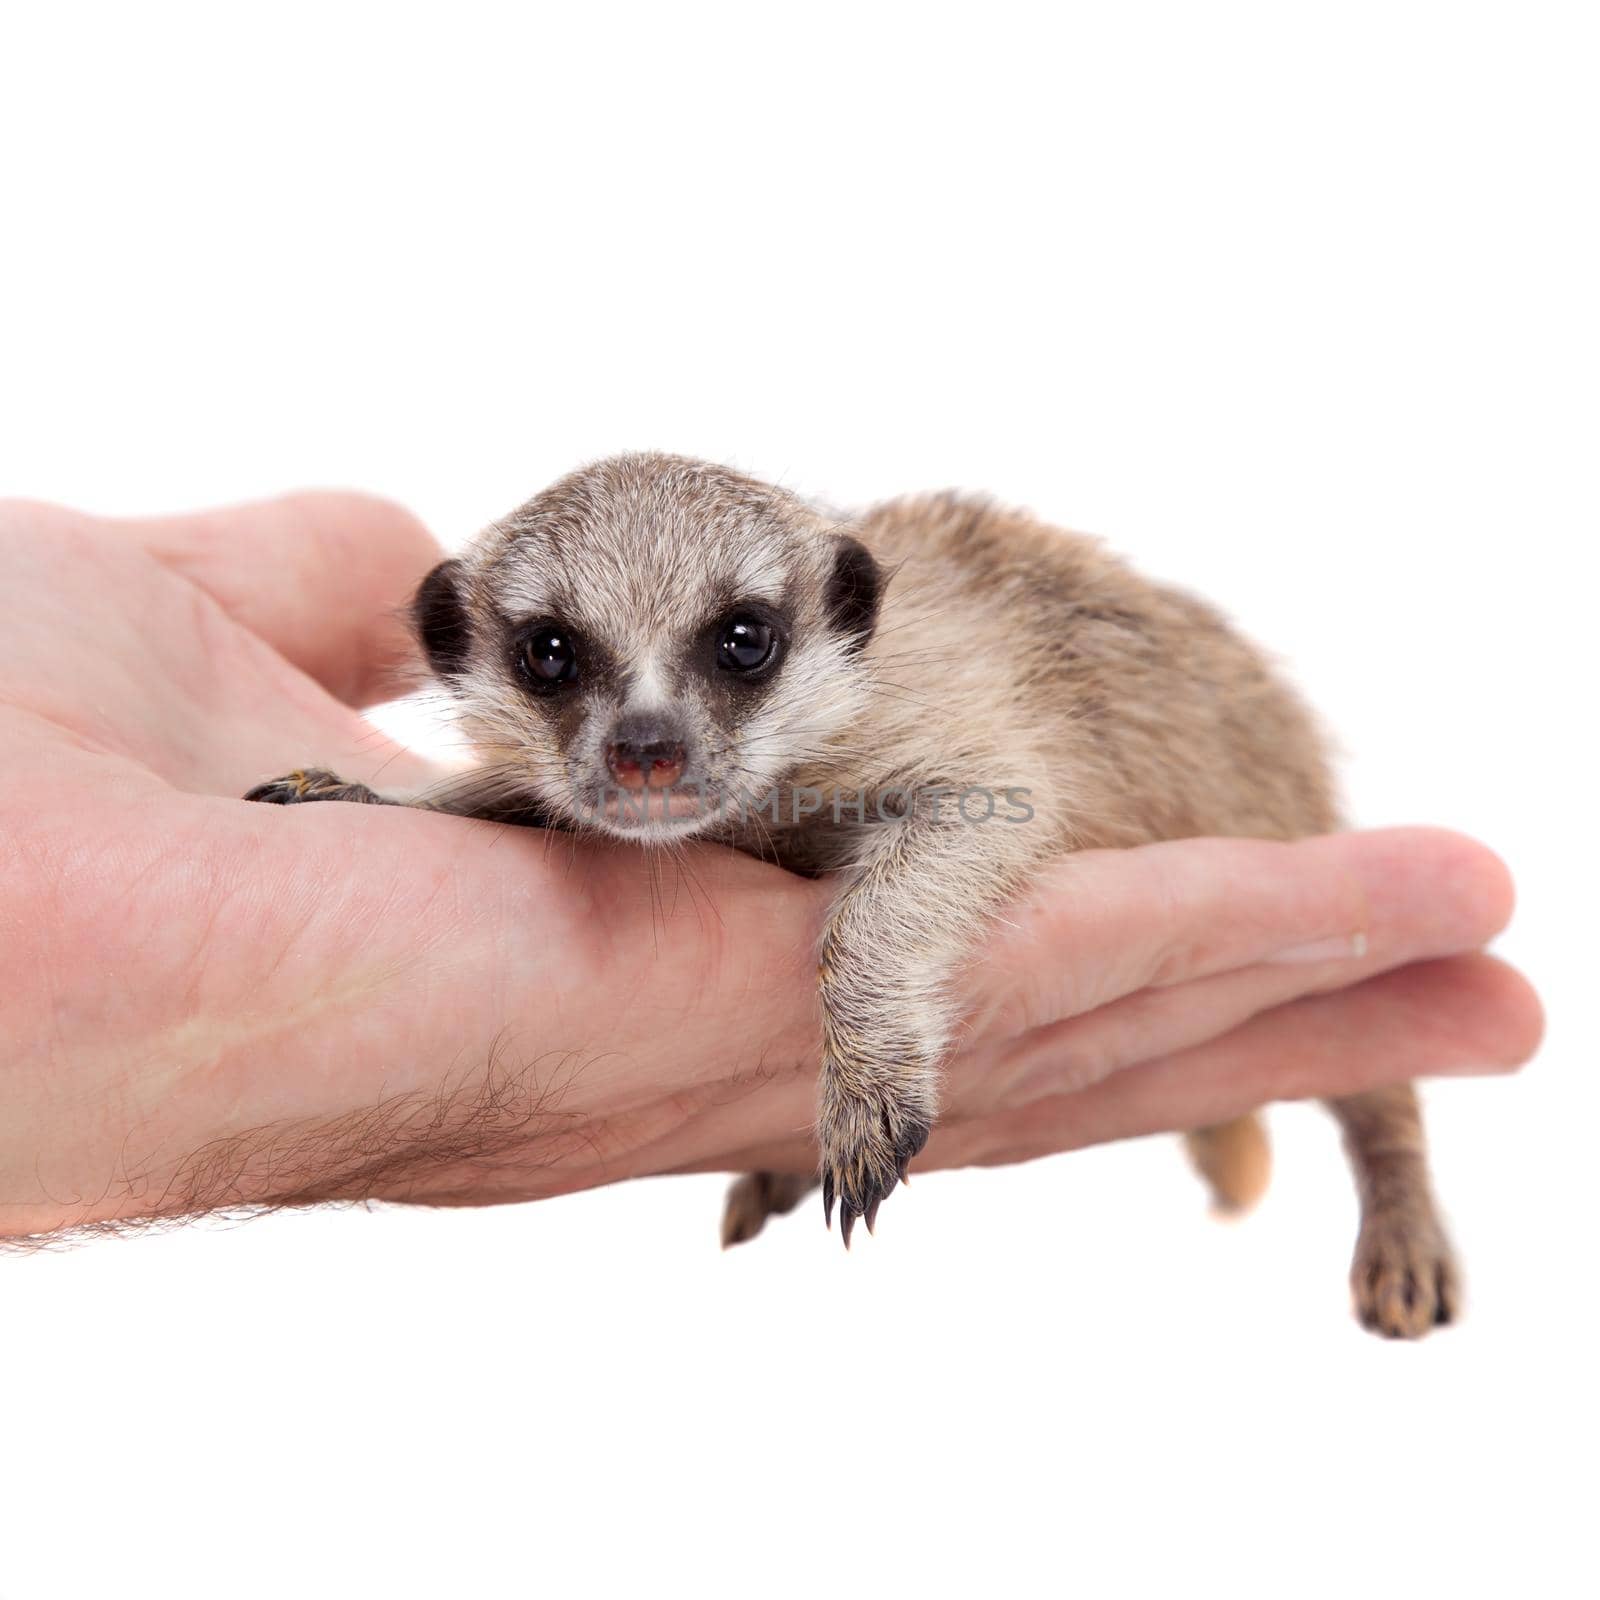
x: 210, y: 1004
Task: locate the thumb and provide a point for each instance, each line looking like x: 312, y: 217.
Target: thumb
x: 324, y: 578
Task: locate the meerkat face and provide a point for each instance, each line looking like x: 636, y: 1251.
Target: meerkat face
x: 652, y: 645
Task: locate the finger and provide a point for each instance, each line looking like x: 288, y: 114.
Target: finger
x: 1416, y: 912
x: 1466, y: 1014
x: 323, y: 578
x: 123, y: 653
x: 1105, y: 923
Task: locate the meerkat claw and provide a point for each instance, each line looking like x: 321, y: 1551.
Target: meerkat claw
x: 861, y: 1175
x: 308, y: 784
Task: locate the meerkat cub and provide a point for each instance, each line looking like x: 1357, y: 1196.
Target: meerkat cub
x: 656, y: 648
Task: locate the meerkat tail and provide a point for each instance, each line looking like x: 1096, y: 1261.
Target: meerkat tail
x: 1235, y: 1159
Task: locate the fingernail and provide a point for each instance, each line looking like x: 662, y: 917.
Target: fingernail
x: 1348, y: 947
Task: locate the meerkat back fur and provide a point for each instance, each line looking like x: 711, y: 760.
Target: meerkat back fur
x: 656, y: 648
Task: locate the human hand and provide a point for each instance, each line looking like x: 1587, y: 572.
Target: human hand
x: 208, y: 1004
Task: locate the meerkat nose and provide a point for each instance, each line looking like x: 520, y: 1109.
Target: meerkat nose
x: 665, y: 770
x: 657, y: 764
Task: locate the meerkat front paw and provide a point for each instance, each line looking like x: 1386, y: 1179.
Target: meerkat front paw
x: 312, y: 783
x: 1404, y: 1276
x: 868, y: 1135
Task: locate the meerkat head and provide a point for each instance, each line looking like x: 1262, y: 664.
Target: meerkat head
x: 653, y: 643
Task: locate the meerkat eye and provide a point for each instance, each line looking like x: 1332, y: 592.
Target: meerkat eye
x: 745, y: 644
x: 550, y: 659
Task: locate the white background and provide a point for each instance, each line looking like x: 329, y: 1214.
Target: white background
x: 1296, y: 304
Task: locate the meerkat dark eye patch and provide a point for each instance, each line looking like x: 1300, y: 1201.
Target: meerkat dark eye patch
x: 440, y: 620
x: 854, y: 589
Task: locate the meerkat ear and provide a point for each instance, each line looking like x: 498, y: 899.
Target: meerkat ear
x: 854, y: 589
x: 440, y: 620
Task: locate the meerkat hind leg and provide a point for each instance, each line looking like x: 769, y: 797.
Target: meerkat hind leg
x: 759, y: 1195
x: 1404, y: 1278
